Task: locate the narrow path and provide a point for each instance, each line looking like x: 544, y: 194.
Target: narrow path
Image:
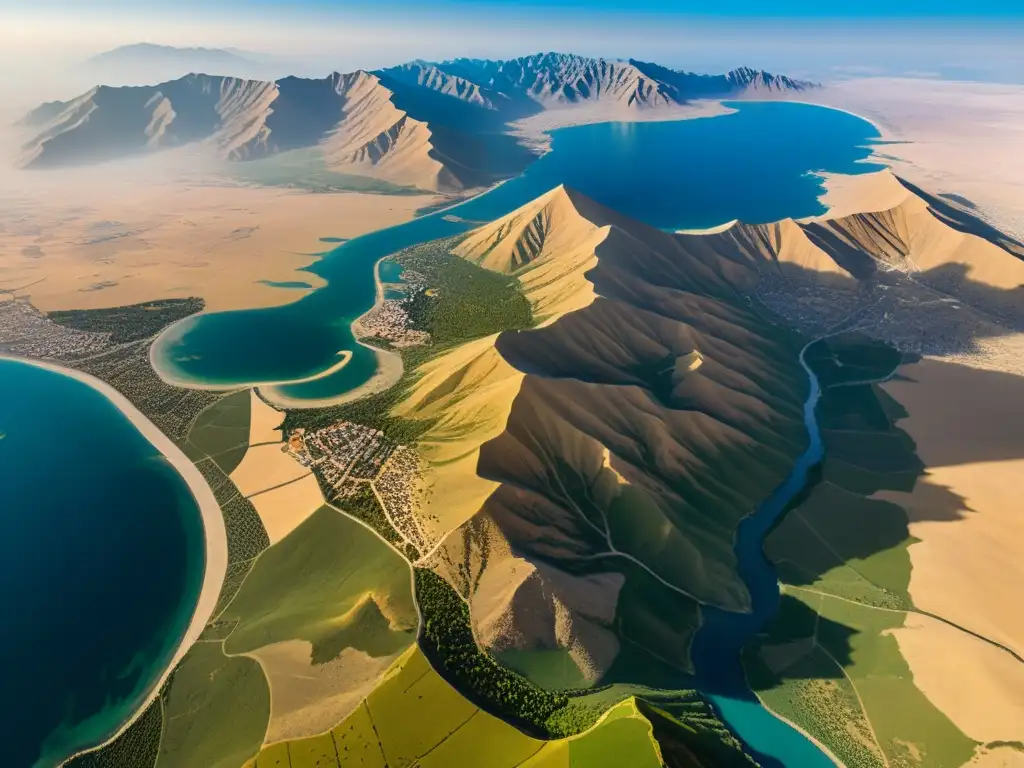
x: 279, y: 485
x: 929, y: 614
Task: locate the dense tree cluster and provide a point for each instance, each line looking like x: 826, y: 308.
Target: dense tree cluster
x: 137, y: 747
x: 133, y: 322
x: 447, y: 640
x: 464, y: 301
x: 363, y: 504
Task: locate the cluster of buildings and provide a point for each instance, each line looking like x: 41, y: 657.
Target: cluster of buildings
x: 26, y: 331
x: 343, y: 454
x: 389, y: 319
x: 399, y: 488
x: 346, y: 455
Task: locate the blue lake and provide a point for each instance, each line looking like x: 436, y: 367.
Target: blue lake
x: 101, y: 557
x: 755, y: 165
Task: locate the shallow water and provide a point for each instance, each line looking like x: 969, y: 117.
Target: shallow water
x: 101, y: 558
x: 754, y: 165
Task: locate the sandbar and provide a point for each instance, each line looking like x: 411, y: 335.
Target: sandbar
x: 212, y: 518
x: 389, y: 371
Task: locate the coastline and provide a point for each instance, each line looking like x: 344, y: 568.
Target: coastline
x: 169, y: 378
x: 534, y: 132
x: 389, y: 365
x: 824, y: 749
x: 214, y: 532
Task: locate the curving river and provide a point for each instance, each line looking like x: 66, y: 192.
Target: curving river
x: 756, y: 164
x: 717, y: 649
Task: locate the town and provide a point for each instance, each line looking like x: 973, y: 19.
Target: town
x: 347, y: 456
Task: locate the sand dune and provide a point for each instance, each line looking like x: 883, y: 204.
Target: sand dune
x: 969, y: 569
x: 978, y: 686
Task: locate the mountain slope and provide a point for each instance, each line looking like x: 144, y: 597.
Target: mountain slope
x: 351, y: 118
x: 584, y: 478
x: 436, y: 126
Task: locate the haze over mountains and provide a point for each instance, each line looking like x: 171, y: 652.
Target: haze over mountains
x: 433, y: 126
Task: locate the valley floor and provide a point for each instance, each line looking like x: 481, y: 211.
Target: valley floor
x: 116, y: 235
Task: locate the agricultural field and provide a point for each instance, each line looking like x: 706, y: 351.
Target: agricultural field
x: 830, y: 661
x: 221, y: 432
x: 388, y: 730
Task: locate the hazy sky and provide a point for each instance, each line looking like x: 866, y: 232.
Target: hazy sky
x: 967, y: 40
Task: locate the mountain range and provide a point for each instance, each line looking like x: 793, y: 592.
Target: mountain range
x: 433, y: 126
x: 584, y: 479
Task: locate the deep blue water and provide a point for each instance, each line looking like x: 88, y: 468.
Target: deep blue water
x: 717, y: 647
x: 753, y: 165
x: 101, y: 560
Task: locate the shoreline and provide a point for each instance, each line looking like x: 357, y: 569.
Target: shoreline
x: 534, y: 132
x: 214, y: 532
x: 390, y: 367
x: 824, y: 749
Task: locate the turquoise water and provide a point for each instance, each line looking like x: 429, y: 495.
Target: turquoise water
x: 101, y: 561
x: 716, y: 649
x: 753, y: 165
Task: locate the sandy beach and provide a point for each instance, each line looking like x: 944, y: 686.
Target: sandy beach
x: 213, y: 521
x: 534, y: 131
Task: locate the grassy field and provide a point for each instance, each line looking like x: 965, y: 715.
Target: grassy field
x: 390, y: 731
x: 330, y: 582
x: 305, y: 169
x: 221, y: 432
x: 216, y: 711
x: 830, y: 662
x: 846, y: 682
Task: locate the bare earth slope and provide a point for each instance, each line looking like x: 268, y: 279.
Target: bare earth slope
x: 610, y: 451
x: 584, y: 479
x: 432, y: 126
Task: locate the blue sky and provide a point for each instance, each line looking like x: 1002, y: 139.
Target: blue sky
x: 815, y: 38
